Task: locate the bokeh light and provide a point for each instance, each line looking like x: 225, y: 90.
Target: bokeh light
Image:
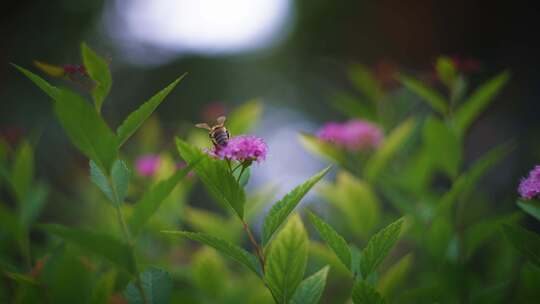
x: 159, y: 30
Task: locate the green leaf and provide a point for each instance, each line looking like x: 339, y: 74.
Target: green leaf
x: 363, y: 293
x: 86, y: 129
x: 40, y: 82
x: 104, y: 288
x: 532, y: 209
x: 356, y: 200
x: 243, y: 119
x: 22, y: 172
x: 446, y: 71
x: 525, y: 241
x: 66, y: 276
x: 362, y: 78
x: 391, y: 145
x: 311, y: 289
x: 120, y: 175
x: 156, y: 284
x: 236, y: 253
x: 286, y: 260
x: 209, y: 272
x: 442, y: 146
x: 139, y: 116
x: 21, y: 278
x: 256, y: 201
x: 244, y: 179
x: 98, y: 69
x: 466, y: 182
x: 427, y: 94
x: 335, y: 241
x: 438, y: 237
x: 378, y: 247
x: 478, y: 101
x: 115, y: 190
x: 101, y: 181
x: 351, y: 107
x: 458, y: 90
x: 394, y: 276
x: 322, y: 149
x: 484, y: 230
x: 152, y: 199
x: 33, y: 205
x: 320, y: 254
x: 103, y: 245
x: 281, y: 210
x: 212, y: 223
x: 9, y: 224
x: 216, y: 176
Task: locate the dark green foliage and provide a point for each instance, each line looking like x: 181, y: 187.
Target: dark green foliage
x: 105, y: 246
x: 363, y: 293
x: 526, y: 241
x: 420, y: 173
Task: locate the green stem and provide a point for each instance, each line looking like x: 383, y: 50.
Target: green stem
x: 240, y: 175
x: 273, y: 296
x: 237, y: 166
x: 258, y: 249
x: 260, y: 256
x: 123, y: 225
x: 129, y: 240
x: 229, y: 164
x: 25, y: 249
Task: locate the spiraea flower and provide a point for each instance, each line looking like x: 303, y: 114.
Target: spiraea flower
x: 354, y: 135
x: 147, y: 165
x: 530, y: 187
x: 243, y: 149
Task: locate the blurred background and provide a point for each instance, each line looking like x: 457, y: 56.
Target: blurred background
x: 292, y: 54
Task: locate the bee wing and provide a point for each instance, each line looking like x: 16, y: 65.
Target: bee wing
x: 221, y: 120
x: 203, y: 126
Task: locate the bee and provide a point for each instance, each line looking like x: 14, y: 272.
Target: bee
x: 218, y: 133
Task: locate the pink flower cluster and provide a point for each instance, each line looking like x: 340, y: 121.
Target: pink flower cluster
x: 530, y: 186
x: 147, y: 165
x: 354, y: 135
x: 242, y: 148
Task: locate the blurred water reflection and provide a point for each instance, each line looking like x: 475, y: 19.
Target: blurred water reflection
x: 154, y: 32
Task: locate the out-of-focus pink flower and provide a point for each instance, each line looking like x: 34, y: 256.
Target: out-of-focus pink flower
x: 147, y: 165
x: 212, y: 111
x: 530, y: 187
x: 354, y: 135
x: 244, y: 149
